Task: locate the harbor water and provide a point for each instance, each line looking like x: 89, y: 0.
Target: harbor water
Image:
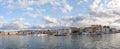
x: 106, y: 41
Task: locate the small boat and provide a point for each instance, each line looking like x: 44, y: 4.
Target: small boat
x: 59, y: 35
x: 99, y: 33
x: 85, y: 33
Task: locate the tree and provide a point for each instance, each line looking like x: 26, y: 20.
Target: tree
x: 107, y: 26
x: 104, y: 26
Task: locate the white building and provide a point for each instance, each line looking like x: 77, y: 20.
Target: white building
x: 106, y: 30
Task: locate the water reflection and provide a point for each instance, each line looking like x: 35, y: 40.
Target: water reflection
x: 107, y: 41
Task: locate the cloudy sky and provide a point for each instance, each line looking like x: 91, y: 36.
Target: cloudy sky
x: 35, y: 14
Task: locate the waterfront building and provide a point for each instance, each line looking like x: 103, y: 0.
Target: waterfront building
x: 106, y: 29
x: 12, y: 33
x: 8, y: 32
x: 4, y: 33
x: 94, y: 29
x: 97, y: 28
x: 74, y: 29
x: 88, y: 29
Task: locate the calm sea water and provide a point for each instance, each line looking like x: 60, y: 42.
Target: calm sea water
x: 107, y: 41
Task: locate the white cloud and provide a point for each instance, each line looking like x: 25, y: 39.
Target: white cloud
x: 41, y: 2
x: 32, y: 14
x: 25, y: 3
x: 78, y: 3
x: 41, y: 25
x: 95, y: 5
x: 74, y: 20
x: 50, y: 19
x: 105, y: 12
x: 82, y: 1
x: 85, y: 0
x: 15, y: 24
x: 29, y: 8
x: 67, y: 8
x: 61, y: 4
x: 35, y: 12
x: 17, y: 20
x: 1, y: 17
x: 89, y: 19
x: 107, y: 5
x: 55, y: 3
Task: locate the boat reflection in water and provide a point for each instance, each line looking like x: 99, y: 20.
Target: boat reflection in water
x: 40, y: 34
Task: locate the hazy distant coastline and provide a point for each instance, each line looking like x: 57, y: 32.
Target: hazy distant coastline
x: 93, y: 29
